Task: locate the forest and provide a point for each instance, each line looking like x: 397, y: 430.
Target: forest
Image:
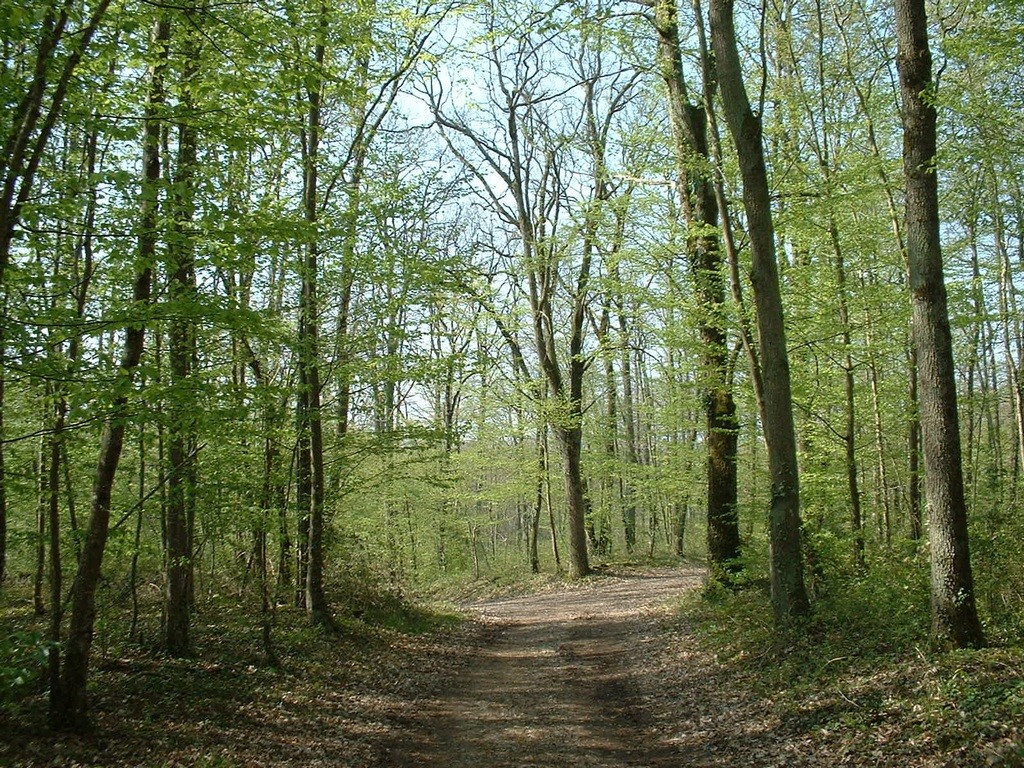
x: 315, y: 317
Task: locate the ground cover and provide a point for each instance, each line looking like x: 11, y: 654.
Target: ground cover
x: 632, y: 667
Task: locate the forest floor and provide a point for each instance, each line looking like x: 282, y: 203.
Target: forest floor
x: 603, y: 673
x: 560, y: 681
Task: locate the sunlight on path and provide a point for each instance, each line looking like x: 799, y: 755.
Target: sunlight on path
x: 554, y: 688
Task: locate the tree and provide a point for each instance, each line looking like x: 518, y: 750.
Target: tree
x: 954, y: 613
x: 51, y: 58
x: 69, y: 706
x: 181, y: 475
x: 309, y: 410
x: 528, y: 161
x: 695, y: 189
x: 789, y: 596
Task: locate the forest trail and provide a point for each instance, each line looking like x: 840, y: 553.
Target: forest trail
x: 554, y: 686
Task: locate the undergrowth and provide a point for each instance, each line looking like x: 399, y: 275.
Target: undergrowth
x: 329, y: 692
x: 861, y: 674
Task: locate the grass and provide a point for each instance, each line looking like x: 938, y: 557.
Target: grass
x: 860, y: 678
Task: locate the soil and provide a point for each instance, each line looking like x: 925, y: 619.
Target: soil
x: 556, y: 683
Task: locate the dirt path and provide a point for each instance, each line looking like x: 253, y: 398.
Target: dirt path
x: 554, y: 686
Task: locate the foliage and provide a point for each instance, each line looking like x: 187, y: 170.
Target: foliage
x: 23, y: 656
x: 438, y: 440
x: 861, y: 673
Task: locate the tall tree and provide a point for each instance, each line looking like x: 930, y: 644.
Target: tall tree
x: 789, y: 595
x: 695, y: 188
x: 179, y: 510
x: 53, y: 50
x: 528, y: 159
x: 69, y: 707
x: 954, y: 613
x: 309, y: 402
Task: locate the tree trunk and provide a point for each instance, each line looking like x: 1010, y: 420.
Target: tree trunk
x: 303, y: 496
x: 850, y: 433
x: 552, y: 524
x: 267, y: 499
x: 628, y: 500
x: 42, y: 473
x: 133, y: 568
x: 70, y: 710
x: 571, y: 438
x: 883, y: 492
x: 53, y: 513
x: 609, y: 486
x: 181, y: 424
x: 309, y: 349
x: 571, y: 441
x: 789, y: 595
x: 538, y: 503
x: 954, y: 614
x: 697, y: 196
x: 1012, y: 354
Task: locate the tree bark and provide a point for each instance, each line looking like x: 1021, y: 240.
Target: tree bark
x: 954, y: 613
x: 697, y: 195
x: 70, y: 709
x: 181, y: 350
x: 789, y: 595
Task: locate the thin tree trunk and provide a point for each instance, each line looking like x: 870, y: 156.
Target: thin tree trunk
x: 628, y: 500
x: 284, y: 553
x: 181, y: 424
x: 913, y: 423
x: 876, y: 412
x: 850, y: 432
x: 309, y: 345
x: 728, y: 243
x: 56, y: 575
x: 133, y: 570
x: 538, y: 505
x: 546, y: 469
x: 266, y: 505
x: 303, y: 497
x: 71, y: 710
x: 1009, y: 318
x: 42, y: 475
x: 611, y: 429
